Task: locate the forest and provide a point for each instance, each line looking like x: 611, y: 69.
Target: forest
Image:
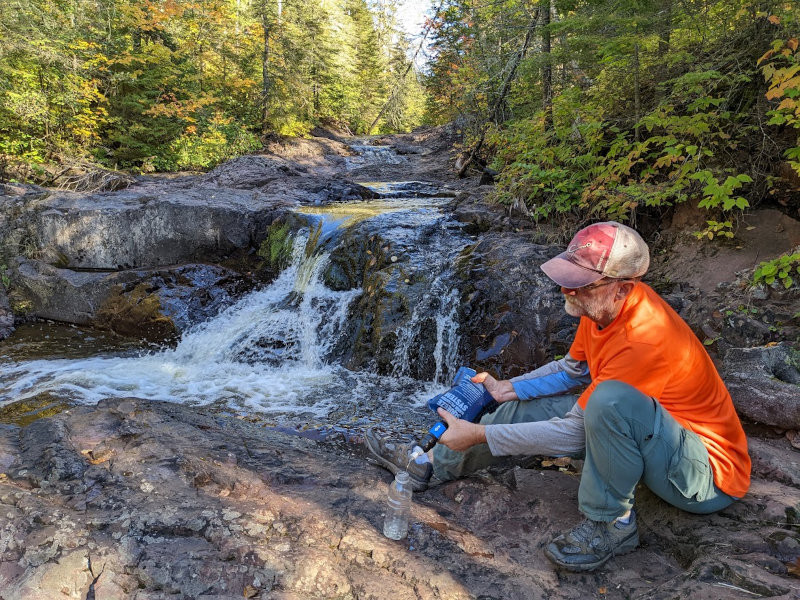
x: 165, y: 85
x: 596, y: 108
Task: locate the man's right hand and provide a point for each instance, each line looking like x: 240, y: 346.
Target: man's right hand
x: 501, y: 390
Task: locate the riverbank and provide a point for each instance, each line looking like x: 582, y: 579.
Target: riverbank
x: 137, y: 500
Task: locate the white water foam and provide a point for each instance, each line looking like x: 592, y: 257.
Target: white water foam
x: 267, y: 352
x: 272, y: 352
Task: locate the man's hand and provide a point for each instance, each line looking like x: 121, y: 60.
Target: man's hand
x: 461, y: 435
x: 502, y: 391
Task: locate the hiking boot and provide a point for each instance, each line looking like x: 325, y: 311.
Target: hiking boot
x: 592, y: 544
x: 395, y: 458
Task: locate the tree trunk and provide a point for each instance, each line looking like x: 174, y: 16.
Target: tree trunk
x: 266, y: 83
x: 664, y: 29
x: 502, y: 95
x: 637, y: 92
x: 547, y: 67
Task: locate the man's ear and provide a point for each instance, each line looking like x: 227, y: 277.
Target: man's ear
x: 624, y: 289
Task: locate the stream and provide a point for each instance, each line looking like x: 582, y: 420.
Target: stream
x: 272, y: 356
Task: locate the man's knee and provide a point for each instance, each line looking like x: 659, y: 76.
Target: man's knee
x: 617, y: 397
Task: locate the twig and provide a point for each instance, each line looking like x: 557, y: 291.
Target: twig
x: 737, y: 588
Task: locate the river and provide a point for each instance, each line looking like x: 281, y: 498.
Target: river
x: 272, y: 355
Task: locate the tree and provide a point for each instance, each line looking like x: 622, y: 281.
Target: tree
x: 177, y: 84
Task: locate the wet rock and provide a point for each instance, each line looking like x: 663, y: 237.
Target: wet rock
x: 6, y: 314
x: 764, y: 383
x: 512, y: 312
x: 403, y: 149
x: 154, y: 304
x: 9, y: 446
x: 45, y: 458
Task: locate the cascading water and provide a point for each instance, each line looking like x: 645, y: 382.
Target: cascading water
x: 273, y: 352
x: 370, y: 155
x: 260, y: 354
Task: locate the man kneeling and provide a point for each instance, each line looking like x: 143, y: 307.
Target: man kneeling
x: 655, y: 409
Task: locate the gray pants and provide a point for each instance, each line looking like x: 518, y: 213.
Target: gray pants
x: 629, y: 437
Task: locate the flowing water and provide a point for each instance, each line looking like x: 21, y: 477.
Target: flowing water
x: 272, y: 354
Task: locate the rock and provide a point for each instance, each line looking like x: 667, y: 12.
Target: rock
x: 146, y: 225
x: 403, y: 149
x: 6, y: 314
x: 774, y: 460
x: 513, y: 313
x: 154, y: 304
x: 172, y: 514
x: 765, y: 384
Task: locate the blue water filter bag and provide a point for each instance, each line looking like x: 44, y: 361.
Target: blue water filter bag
x: 465, y: 400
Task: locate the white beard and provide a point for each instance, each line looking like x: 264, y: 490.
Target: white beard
x: 592, y: 307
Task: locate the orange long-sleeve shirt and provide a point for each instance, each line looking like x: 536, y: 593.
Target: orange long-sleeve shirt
x: 651, y: 348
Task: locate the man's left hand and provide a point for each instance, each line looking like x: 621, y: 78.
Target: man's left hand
x: 461, y: 435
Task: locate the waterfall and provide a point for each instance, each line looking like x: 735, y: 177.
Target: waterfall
x: 441, y: 305
x: 274, y: 352
x: 372, y: 155
x: 263, y: 352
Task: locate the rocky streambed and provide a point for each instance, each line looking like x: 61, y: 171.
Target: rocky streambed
x: 221, y: 493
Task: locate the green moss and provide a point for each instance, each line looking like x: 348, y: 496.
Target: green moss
x: 136, y: 313
x: 25, y: 412
x: 276, y: 249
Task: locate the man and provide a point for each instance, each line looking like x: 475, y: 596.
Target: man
x: 654, y: 409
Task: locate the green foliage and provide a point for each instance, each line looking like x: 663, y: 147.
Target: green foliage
x: 653, y: 104
x: 781, y: 269
x: 547, y: 174
x: 4, y: 278
x: 205, y: 147
x: 716, y: 229
x: 276, y: 249
x: 781, y: 69
x: 164, y: 85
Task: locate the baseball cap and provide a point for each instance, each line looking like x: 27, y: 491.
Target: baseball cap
x: 607, y: 249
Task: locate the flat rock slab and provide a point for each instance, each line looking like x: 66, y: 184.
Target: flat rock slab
x: 140, y: 500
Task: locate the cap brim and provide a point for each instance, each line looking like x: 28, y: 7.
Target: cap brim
x: 568, y: 274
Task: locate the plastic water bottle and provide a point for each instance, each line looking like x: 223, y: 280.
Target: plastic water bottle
x: 398, y: 507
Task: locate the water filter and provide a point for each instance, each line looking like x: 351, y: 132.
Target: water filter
x: 465, y: 400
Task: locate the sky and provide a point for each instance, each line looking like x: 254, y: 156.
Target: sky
x: 411, y: 14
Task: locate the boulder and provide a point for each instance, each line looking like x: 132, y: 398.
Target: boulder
x: 513, y: 315
x: 764, y: 383
x: 156, y: 304
x: 6, y: 314
x: 147, y: 225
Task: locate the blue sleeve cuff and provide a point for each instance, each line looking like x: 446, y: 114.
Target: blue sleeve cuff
x: 548, y: 385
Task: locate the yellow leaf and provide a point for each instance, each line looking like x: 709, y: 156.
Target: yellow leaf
x: 774, y: 20
x: 792, y: 43
x: 765, y: 56
x: 774, y: 93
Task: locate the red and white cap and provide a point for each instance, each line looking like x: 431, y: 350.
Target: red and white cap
x: 607, y: 249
